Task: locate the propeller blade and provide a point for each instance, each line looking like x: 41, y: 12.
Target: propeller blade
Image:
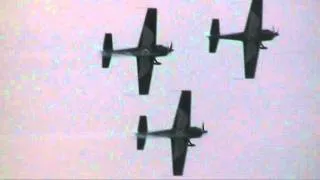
x: 171, y: 46
x: 202, y: 126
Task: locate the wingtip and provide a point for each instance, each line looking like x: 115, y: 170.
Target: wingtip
x: 177, y: 174
x: 142, y: 116
x: 152, y: 9
x: 249, y: 77
x: 186, y: 92
x: 143, y: 93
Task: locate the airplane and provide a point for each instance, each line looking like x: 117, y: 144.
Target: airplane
x: 252, y: 37
x: 146, y: 52
x: 180, y: 133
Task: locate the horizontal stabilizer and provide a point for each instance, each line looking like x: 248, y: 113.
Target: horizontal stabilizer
x: 140, y: 143
x: 107, y: 50
x: 107, y: 42
x: 142, y: 129
x: 214, y: 36
x: 106, y: 61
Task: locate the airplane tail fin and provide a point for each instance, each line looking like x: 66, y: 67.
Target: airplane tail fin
x: 214, y: 36
x: 107, y: 50
x: 142, y: 129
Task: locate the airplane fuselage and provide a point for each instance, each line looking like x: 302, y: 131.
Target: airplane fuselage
x: 156, y: 51
x: 192, y: 132
x: 264, y: 35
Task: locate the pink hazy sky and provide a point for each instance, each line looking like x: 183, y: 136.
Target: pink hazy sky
x: 63, y: 116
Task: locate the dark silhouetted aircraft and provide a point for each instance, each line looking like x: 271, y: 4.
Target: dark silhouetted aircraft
x: 146, y: 51
x: 180, y: 134
x: 252, y: 37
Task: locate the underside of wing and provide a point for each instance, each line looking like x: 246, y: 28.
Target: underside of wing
x: 145, y: 68
x: 182, y: 118
x: 254, y: 21
x: 149, y: 30
x: 179, y: 151
x: 251, y: 54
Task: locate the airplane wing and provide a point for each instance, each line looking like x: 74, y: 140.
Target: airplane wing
x: 179, y: 152
x: 254, y: 20
x: 251, y: 46
x: 251, y: 53
x: 149, y: 30
x: 182, y: 118
x: 145, y: 67
x: 181, y: 122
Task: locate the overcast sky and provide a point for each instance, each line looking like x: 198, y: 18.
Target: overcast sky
x: 63, y: 116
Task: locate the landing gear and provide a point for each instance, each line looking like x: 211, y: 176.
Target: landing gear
x: 156, y: 62
x: 262, y: 46
x: 190, y: 144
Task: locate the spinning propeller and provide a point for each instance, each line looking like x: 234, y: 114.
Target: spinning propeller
x: 203, y: 130
x: 171, y: 47
x: 276, y: 32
